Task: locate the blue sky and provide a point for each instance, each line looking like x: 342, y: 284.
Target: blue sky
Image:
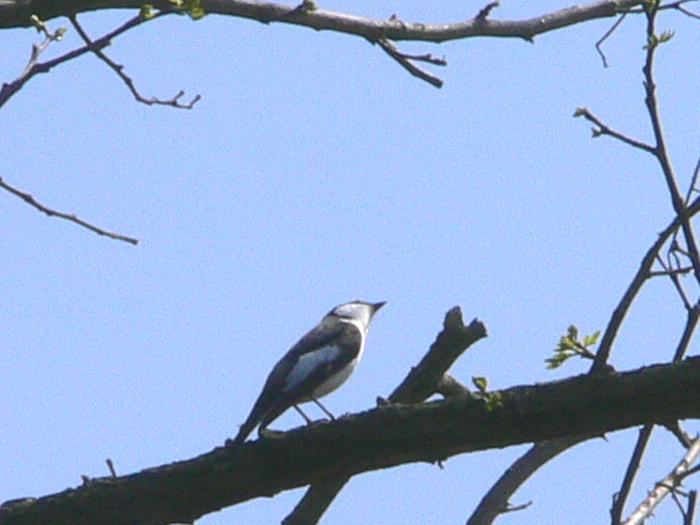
x: 315, y: 171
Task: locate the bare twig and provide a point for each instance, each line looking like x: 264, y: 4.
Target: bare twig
x: 678, y: 271
x: 689, y: 516
x: 119, y: 70
x: 665, y: 486
x: 620, y: 498
x: 603, y: 129
x: 405, y: 62
x: 681, y: 435
x: 618, y: 315
x: 34, y: 68
x: 690, y: 325
x: 673, y: 275
x: 688, y: 13
x: 660, y: 151
x: 26, y: 197
x: 110, y: 466
x: 607, y: 34
x: 485, y: 11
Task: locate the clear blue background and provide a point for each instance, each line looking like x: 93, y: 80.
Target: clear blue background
x: 315, y: 171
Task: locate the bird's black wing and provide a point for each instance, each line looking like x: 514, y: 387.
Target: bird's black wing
x: 273, y: 394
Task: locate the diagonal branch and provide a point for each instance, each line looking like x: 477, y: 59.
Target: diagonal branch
x: 119, y: 70
x: 406, y: 61
x: 643, y: 273
x: 665, y: 486
x: 34, y: 67
x: 29, y: 199
x: 603, y: 129
x: 495, y: 501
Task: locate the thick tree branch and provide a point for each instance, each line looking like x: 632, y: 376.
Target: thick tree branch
x: 384, y: 437
x: 16, y: 14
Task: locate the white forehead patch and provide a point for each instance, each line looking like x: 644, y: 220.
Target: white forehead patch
x: 356, y: 311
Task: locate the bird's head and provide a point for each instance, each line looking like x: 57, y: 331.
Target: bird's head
x: 358, y: 311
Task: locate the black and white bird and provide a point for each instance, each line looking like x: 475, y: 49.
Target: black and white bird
x: 319, y: 363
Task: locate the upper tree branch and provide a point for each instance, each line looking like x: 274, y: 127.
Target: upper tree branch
x: 16, y: 14
x: 384, y: 437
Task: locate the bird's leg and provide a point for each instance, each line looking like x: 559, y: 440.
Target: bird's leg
x: 325, y: 410
x: 308, y: 420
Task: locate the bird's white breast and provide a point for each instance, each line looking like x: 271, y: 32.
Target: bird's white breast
x: 334, y: 381
x: 309, y: 362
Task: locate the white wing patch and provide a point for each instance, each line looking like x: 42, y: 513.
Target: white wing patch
x: 308, y: 363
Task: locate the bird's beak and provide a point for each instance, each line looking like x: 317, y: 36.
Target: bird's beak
x: 377, y: 306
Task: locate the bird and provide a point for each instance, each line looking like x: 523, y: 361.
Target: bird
x: 315, y: 366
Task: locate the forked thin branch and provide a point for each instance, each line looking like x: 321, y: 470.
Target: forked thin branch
x: 119, y: 70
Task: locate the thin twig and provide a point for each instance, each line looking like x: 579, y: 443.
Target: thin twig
x: 603, y: 129
x: 665, y: 486
x: 660, y: 151
x: 485, y: 11
x: 110, y: 466
x: 405, y: 62
x: 9, y: 89
x: 119, y: 70
x: 673, y: 275
x: 689, y: 516
x: 690, y: 325
x: 678, y: 271
x: 607, y: 34
x: 618, y: 315
x: 681, y: 435
x: 620, y: 498
x: 26, y: 197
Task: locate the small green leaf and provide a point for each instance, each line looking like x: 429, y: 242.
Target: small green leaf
x: 481, y: 383
x: 197, y: 13
x: 666, y: 36
x: 493, y: 401
x: 309, y: 5
x: 147, y: 11
x: 591, y: 339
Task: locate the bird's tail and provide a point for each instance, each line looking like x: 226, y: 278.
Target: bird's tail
x: 244, y: 431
